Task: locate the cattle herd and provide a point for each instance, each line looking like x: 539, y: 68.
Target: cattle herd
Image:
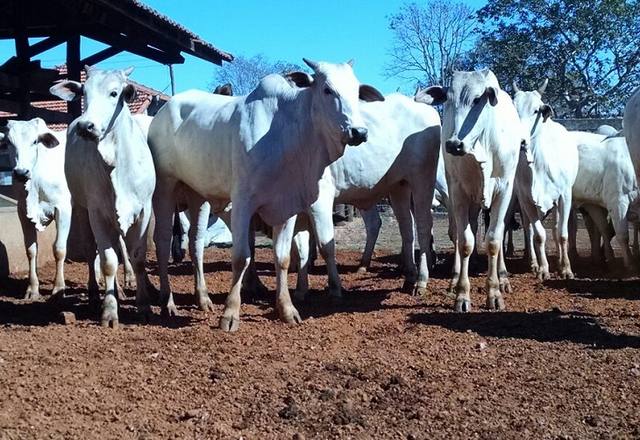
x: 296, y: 145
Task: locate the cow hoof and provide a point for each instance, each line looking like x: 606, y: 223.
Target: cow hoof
x: 109, y: 312
x: 567, y: 275
x: 408, y: 286
x: 169, y: 310
x: 535, y: 269
x: 121, y: 295
x: 362, y: 269
x: 543, y: 275
x: 58, y: 291
x: 205, y: 303
x: 463, y: 305
x: 289, y: 315
x: 505, y: 286
x: 32, y: 294
x: 495, y: 302
x: 229, y: 323
x: 420, y: 289
x: 130, y: 282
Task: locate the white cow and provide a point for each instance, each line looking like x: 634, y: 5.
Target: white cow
x: 481, y: 135
x: 110, y: 173
x: 606, y: 179
x: 546, y: 172
x: 37, y: 155
x: 264, y: 152
x: 400, y: 160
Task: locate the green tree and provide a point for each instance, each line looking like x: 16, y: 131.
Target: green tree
x: 590, y: 50
x: 244, y: 73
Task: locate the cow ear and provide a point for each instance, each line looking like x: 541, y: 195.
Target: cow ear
x: 492, y: 95
x: 129, y: 93
x: 67, y: 90
x: 299, y: 79
x: 546, y: 111
x: 48, y: 140
x: 369, y: 93
x: 225, y: 89
x: 434, y: 95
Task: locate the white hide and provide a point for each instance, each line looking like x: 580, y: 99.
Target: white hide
x: 606, y: 178
x: 400, y: 160
x: 44, y: 196
x: 111, y: 177
x: 481, y: 137
x: 264, y: 152
x: 547, y: 169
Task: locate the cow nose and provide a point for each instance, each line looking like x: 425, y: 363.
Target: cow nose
x: 454, y: 147
x: 358, y: 136
x: 21, y: 174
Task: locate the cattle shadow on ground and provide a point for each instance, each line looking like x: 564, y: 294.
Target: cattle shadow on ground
x: 550, y: 326
x: 599, y: 288
x: 13, y: 287
x: 186, y: 268
x: 318, y: 303
x: 47, y: 311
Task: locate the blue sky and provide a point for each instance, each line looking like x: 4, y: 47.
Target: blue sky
x: 331, y: 30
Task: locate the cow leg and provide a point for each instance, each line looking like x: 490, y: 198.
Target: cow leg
x: 136, y: 242
x: 573, y: 234
x: 282, y: 237
x: 494, y: 237
x: 600, y: 228
x: 465, y: 242
x: 372, y: 224
x: 129, y: 274
x: 422, y: 198
x: 29, y: 234
x: 401, y: 204
x: 562, y: 236
x: 635, y: 250
x: 322, y: 218
x: 300, y: 250
x: 530, y: 253
x: 63, y: 223
x: 163, y: 207
x: 106, y: 240
x: 621, y: 226
x: 199, y: 210
x: 240, y: 261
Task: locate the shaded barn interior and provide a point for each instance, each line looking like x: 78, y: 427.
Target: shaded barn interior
x: 37, y: 26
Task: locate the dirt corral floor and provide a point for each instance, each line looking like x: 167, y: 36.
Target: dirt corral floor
x: 562, y: 362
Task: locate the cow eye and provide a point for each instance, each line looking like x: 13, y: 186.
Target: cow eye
x: 35, y: 142
x: 114, y: 94
x: 328, y: 91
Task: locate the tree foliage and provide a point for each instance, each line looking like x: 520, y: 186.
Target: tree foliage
x: 590, y: 50
x: 244, y: 73
x: 429, y: 40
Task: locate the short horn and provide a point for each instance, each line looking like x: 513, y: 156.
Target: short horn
x: 543, y: 86
x: 312, y: 64
x: 350, y: 62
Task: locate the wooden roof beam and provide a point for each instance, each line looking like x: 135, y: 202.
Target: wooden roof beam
x: 44, y: 45
x: 101, y: 56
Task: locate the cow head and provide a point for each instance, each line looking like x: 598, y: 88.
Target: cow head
x: 105, y: 93
x: 336, y: 97
x: 23, y: 139
x: 468, y: 103
x: 531, y: 109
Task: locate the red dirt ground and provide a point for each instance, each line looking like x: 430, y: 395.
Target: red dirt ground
x: 562, y: 362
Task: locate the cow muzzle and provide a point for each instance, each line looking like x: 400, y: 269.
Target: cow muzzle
x: 357, y: 136
x: 21, y: 174
x: 455, y: 147
x: 89, y: 131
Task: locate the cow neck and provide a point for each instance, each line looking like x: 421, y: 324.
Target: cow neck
x: 120, y: 123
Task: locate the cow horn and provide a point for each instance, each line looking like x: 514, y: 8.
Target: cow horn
x: 350, y: 62
x: 313, y: 64
x: 516, y: 89
x: 87, y: 68
x: 543, y: 86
